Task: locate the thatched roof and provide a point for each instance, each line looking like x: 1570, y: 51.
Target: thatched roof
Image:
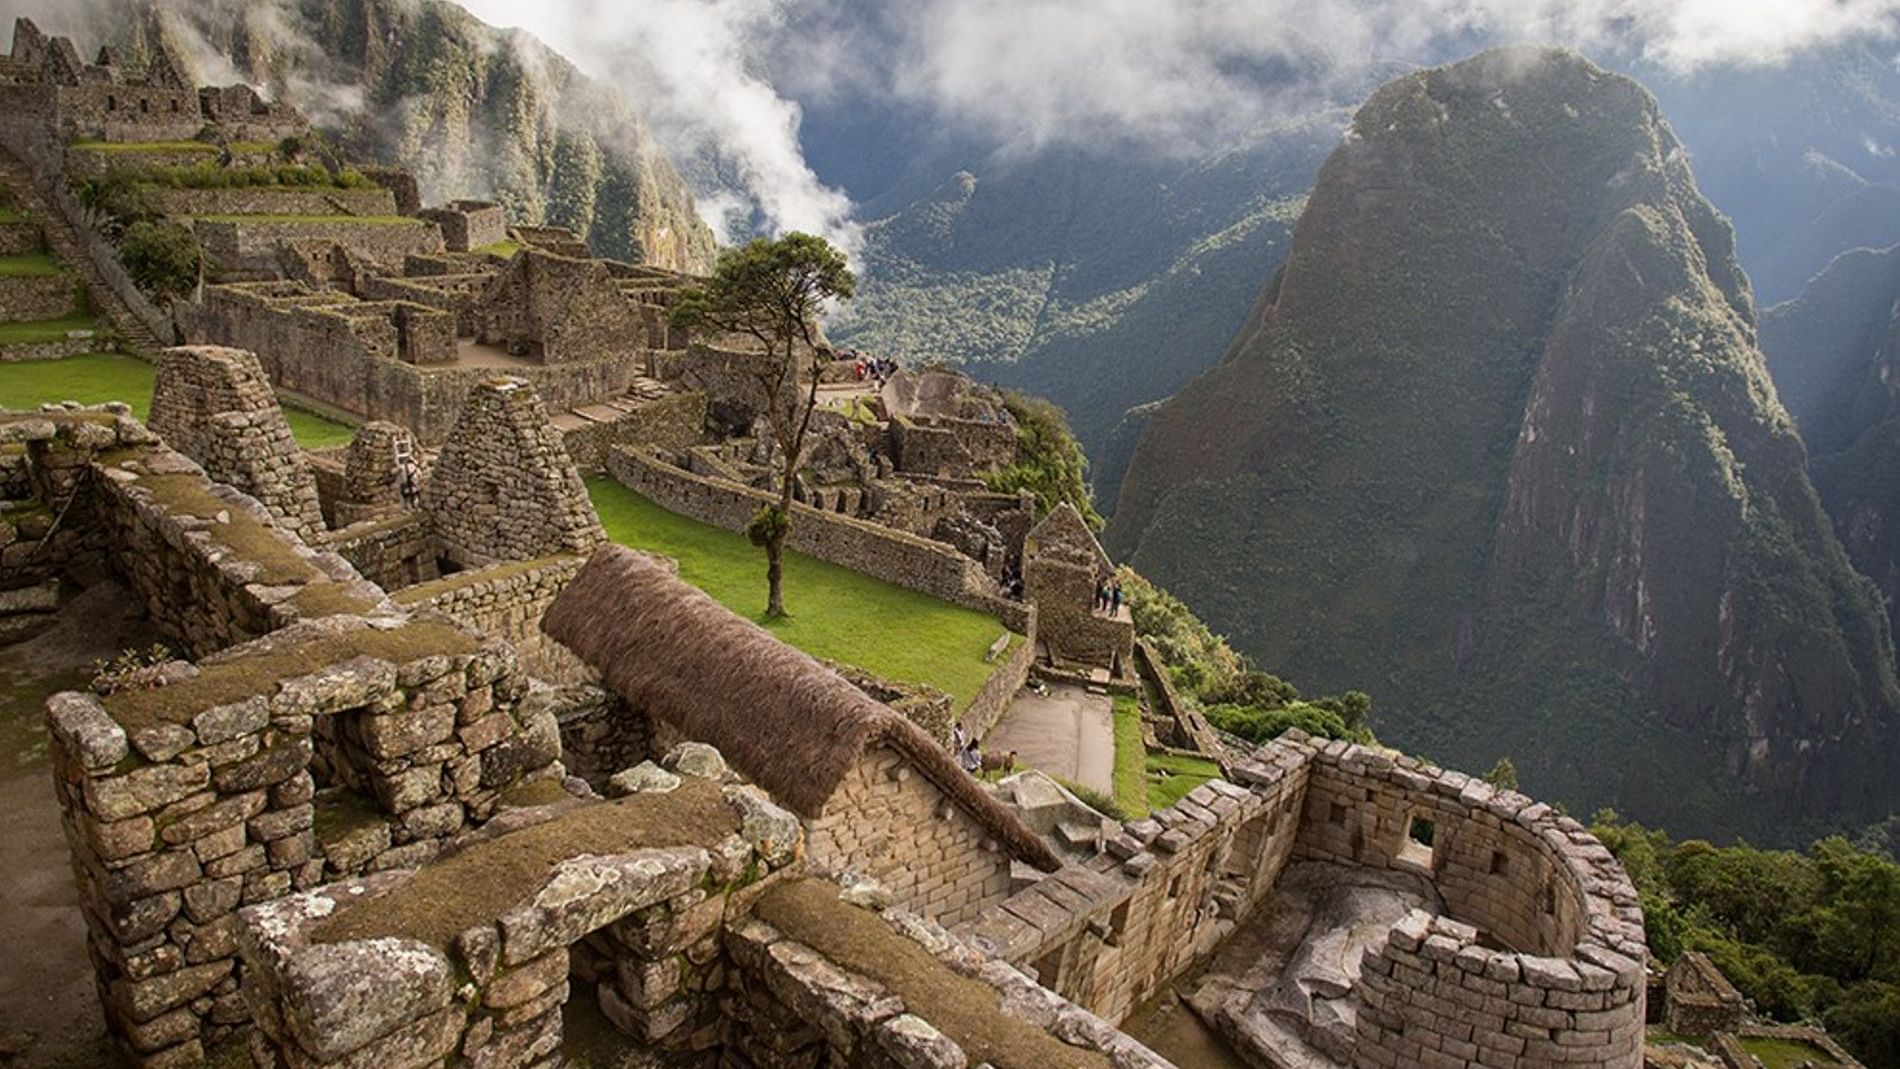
x: 787, y: 722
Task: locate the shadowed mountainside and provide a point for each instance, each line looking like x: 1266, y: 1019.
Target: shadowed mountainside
x: 1497, y: 444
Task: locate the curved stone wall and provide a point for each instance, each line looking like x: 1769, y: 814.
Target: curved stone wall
x: 1541, y: 960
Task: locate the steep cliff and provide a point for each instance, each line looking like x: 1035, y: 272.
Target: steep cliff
x: 1835, y: 356
x: 1497, y: 444
x: 470, y: 109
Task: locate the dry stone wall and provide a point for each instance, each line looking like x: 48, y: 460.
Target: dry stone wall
x: 28, y: 298
x: 673, y: 424
x: 640, y: 931
x: 507, y: 601
x: 503, y: 487
x: 185, y: 801
x: 1111, y: 932
x: 1540, y: 963
x: 247, y: 248
x: 888, y: 822
x: 272, y: 200
x: 215, y: 406
x: 393, y: 552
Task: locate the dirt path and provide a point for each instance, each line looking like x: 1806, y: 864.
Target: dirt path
x: 49, y: 1011
x: 1069, y: 734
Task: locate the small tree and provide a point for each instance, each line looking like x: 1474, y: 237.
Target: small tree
x: 773, y: 292
x: 1503, y: 775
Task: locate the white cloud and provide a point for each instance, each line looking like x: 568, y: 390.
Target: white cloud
x: 690, y: 67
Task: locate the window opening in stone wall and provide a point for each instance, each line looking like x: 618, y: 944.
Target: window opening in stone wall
x: 1337, y: 814
x: 1117, y: 924
x: 145, y: 106
x: 1500, y: 863
x: 1174, y: 887
x: 1049, y: 969
x: 112, y: 103
x: 1417, y: 847
x: 1550, y: 897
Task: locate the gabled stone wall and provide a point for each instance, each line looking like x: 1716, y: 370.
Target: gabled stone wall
x: 503, y: 487
x: 888, y: 822
x: 215, y: 406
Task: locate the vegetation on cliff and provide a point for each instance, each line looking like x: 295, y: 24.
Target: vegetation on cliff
x: 1236, y: 696
x: 1100, y: 284
x: 1835, y: 356
x: 1497, y: 442
x: 1807, y: 936
x: 1050, y: 463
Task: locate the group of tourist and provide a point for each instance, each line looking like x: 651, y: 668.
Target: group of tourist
x: 1108, y: 596
x: 878, y: 369
x: 1012, y: 578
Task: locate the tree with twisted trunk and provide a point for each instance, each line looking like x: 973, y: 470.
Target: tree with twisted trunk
x: 773, y: 291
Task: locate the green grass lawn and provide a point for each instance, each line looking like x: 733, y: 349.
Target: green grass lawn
x: 1171, y: 777
x: 29, y: 265
x: 47, y: 329
x: 99, y: 377
x: 146, y: 146
x: 836, y: 613
x: 505, y: 247
x: 1131, y: 770
x: 1784, y: 1053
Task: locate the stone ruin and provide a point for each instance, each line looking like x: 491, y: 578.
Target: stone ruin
x: 503, y: 487
x: 215, y: 406
x: 1062, y: 567
x: 345, y: 831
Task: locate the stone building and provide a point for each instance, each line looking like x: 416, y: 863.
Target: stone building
x: 503, y: 487
x: 557, y: 310
x: 468, y: 225
x: 880, y: 797
x: 1062, y: 566
x: 44, y: 81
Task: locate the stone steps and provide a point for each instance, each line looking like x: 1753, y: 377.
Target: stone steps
x: 66, y: 246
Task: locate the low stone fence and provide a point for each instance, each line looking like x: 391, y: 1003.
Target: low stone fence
x: 74, y: 344
x: 186, y: 800
x: 993, y: 699
x: 507, y: 601
x: 875, y: 550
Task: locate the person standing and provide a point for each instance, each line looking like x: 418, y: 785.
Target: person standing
x: 1115, y: 595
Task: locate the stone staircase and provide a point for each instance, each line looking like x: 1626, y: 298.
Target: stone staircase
x: 642, y: 390
x: 66, y: 245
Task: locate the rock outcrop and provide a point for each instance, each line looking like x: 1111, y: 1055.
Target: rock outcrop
x: 1498, y: 445
x: 470, y: 109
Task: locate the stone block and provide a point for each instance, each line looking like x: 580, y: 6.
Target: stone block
x: 340, y: 997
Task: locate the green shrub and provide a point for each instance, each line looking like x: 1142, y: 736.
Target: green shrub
x: 1049, y: 461
x: 119, y: 200
x: 164, y: 259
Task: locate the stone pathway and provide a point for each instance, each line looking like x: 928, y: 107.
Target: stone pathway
x: 1069, y: 734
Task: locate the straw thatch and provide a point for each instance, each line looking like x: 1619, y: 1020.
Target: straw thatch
x: 782, y: 719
